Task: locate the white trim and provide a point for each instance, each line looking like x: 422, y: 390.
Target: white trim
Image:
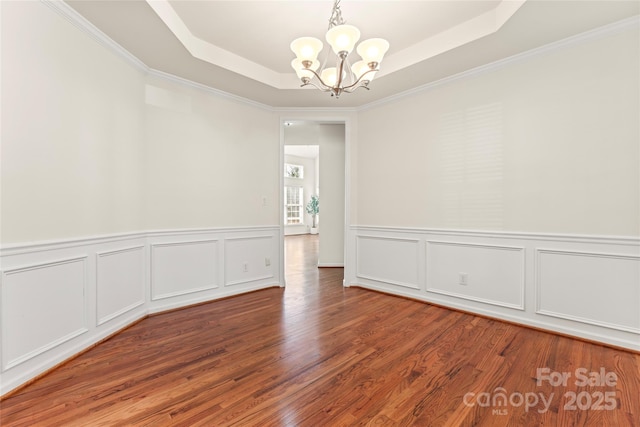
x: 579, y: 238
x: 250, y: 280
x: 207, y: 89
x: 382, y: 280
x: 90, y: 250
x: 347, y: 121
x: 482, y: 300
x: 118, y: 251
x: 38, y: 266
x: 118, y: 313
x: 107, y: 318
x: 538, y: 287
x: 330, y: 265
x: 254, y: 237
x: 515, y: 318
x: 593, y: 34
x: 520, y: 249
x: 38, y: 351
x: 61, y: 340
x: 45, y: 245
x: 83, y: 24
x: 80, y: 22
x: 226, y: 282
x: 153, y: 246
x: 528, y: 244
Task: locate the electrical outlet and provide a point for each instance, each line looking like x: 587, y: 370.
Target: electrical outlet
x: 245, y: 266
x: 463, y: 279
x: 267, y: 262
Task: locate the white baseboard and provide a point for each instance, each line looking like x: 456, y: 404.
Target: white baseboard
x: 584, y: 286
x: 85, y: 289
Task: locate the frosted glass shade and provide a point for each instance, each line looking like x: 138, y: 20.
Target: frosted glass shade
x: 343, y: 38
x: 373, y: 50
x: 361, y: 67
x: 306, y: 48
x: 329, y: 76
x: 301, y: 71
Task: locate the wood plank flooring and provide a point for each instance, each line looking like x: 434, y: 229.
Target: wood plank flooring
x: 317, y: 354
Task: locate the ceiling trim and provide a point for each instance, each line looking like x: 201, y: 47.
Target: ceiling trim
x: 466, y: 32
x: 461, y: 34
x: 67, y: 12
x: 593, y: 34
x: 215, y: 55
x: 206, y: 89
x: 80, y: 22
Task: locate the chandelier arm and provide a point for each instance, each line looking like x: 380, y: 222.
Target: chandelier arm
x: 355, y: 88
x: 323, y: 89
x: 359, y: 79
x: 319, y: 78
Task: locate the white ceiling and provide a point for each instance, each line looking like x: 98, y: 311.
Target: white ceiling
x: 242, y: 47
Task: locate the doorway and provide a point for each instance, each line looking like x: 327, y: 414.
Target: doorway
x: 313, y: 163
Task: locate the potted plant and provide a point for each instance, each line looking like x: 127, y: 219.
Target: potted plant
x: 313, y: 209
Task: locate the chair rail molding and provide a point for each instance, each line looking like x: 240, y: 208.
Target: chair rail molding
x: 60, y: 297
x: 578, y: 285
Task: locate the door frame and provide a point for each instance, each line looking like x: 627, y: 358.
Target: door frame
x: 349, y: 132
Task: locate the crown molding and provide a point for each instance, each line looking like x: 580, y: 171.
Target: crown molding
x: 80, y: 22
x: 594, y: 34
x: 207, y: 89
x: 83, y: 24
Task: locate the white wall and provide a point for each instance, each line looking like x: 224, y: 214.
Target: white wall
x: 207, y: 159
x: 522, y: 178
x: 548, y: 144
x: 332, y: 195
x: 123, y: 193
x: 72, y: 131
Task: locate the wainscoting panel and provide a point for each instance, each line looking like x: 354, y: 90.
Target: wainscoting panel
x: 119, y: 282
x: 583, y: 286
x: 393, y: 260
x: 43, y: 306
x: 249, y: 259
x: 179, y: 268
x: 491, y: 274
x: 596, y: 288
x: 58, y: 298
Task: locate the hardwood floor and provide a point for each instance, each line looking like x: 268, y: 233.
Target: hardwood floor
x: 318, y: 354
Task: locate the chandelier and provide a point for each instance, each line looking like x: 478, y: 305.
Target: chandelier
x: 342, y: 38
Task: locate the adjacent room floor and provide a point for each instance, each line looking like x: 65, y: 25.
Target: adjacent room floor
x: 317, y: 354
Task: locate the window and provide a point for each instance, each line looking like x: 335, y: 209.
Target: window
x: 293, y: 171
x: 293, y: 212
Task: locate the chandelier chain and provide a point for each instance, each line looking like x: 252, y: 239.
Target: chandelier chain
x: 336, y: 15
